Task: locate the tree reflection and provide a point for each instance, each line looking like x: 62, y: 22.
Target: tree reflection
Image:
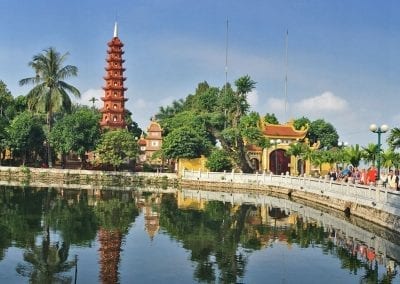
x: 212, y: 235
x: 46, y: 262
x: 31, y: 216
x: 220, y: 236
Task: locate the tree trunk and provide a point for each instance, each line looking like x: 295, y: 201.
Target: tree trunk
x: 244, y: 164
x: 63, y: 160
x: 49, y: 154
x: 83, y: 161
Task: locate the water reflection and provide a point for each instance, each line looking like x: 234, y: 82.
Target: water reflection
x: 220, y: 232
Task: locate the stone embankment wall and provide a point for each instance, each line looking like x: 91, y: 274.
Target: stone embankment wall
x: 67, y: 178
x: 375, y: 204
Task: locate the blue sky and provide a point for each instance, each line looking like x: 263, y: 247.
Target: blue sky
x: 343, y: 56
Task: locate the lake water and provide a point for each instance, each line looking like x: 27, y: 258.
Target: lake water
x: 188, y: 236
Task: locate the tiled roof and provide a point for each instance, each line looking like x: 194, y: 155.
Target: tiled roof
x: 283, y: 131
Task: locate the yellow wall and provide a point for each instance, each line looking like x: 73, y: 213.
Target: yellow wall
x: 192, y: 164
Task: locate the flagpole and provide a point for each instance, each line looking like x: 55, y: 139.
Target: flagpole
x: 286, y: 71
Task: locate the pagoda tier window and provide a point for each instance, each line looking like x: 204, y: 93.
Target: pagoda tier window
x: 115, y: 118
x: 115, y: 94
x: 115, y: 106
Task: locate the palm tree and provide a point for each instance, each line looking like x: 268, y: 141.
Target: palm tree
x: 51, y: 93
x: 317, y: 158
x: 353, y: 154
x: 394, y: 138
x: 390, y: 159
x: 370, y: 153
x: 299, y: 151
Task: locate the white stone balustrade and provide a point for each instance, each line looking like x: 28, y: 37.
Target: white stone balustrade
x: 381, y: 198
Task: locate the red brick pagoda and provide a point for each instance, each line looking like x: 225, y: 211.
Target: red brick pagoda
x: 113, y: 111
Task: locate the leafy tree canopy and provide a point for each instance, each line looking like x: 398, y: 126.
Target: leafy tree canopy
x: 116, y: 146
x: 323, y: 131
x: 219, y: 161
x: 26, y: 135
x: 217, y: 115
x: 271, y: 118
x: 78, y: 132
x: 185, y: 142
x: 301, y: 122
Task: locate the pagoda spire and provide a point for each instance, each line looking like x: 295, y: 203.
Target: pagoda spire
x: 115, y: 29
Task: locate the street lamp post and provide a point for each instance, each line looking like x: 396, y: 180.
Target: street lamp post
x: 276, y: 142
x: 379, y: 130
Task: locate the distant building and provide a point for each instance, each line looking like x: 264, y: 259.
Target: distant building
x: 150, y: 144
x: 272, y: 159
x: 113, y: 111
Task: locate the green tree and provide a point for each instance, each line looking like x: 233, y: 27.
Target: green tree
x: 219, y: 161
x: 50, y: 93
x: 116, y: 147
x: 271, y: 118
x: 393, y: 139
x: 185, y: 142
x: 6, y: 99
x: 26, y: 136
x: 233, y: 137
x: 170, y: 111
x: 217, y: 116
x: 302, y: 122
x: 250, y: 130
x: 6, y: 102
x: 370, y: 153
x: 324, y: 132
x: 299, y: 151
x: 317, y: 158
x: 78, y: 132
x: 390, y: 159
x: 20, y: 104
x: 353, y: 154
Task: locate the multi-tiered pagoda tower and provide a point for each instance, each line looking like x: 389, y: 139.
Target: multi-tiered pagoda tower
x: 114, y: 101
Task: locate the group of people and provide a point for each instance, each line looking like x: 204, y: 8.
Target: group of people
x: 366, y: 176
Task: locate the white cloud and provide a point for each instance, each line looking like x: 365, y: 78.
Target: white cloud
x: 326, y: 102
x: 140, y: 104
x: 252, y: 98
x: 275, y: 105
x: 88, y: 95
